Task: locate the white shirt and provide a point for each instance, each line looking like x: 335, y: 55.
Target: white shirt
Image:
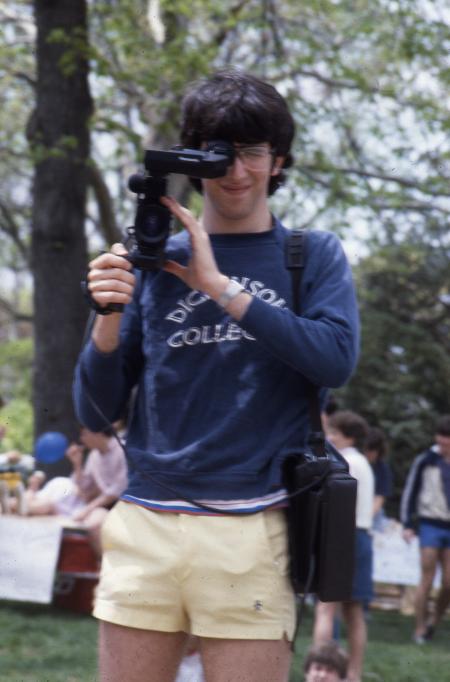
x: 362, y: 471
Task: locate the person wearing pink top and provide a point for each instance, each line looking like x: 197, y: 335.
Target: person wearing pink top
x: 93, y: 487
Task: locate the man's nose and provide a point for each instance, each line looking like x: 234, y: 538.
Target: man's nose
x: 237, y: 168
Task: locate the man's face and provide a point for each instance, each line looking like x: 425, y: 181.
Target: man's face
x: 243, y: 190
x: 320, y: 672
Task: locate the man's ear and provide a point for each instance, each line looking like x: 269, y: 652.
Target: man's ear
x: 277, y: 165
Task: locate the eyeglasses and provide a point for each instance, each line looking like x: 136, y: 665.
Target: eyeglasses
x: 253, y: 157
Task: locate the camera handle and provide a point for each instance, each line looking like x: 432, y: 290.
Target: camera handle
x: 146, y: 239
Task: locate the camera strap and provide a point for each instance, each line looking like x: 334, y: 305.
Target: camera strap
x: 295, y: 256
x: 295, y: 253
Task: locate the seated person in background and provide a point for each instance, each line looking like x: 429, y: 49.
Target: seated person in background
x: 325, y: 662
x: 104, y: 475
x: 60, y: 495
x: 347, y: 431
x: 375, y: 450
x: 92, y: 489
x: 35, y: 481
x: 14, y: 468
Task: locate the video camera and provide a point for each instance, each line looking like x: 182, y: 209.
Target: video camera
x: 147, y: 237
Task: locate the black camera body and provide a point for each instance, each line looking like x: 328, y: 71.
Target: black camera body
x: 147, y: 238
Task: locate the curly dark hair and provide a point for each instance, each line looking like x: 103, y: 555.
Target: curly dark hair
x: 443, y: 425
x: 376, y: 440
x: 235, y: 106
x: 351, y: 425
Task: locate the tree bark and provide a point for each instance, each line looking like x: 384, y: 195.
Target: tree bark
x: 61, y: 145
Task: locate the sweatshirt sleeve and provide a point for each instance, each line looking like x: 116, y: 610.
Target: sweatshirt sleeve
x: 322, y: 344
x: 104, y: 381
x: 408, y: 502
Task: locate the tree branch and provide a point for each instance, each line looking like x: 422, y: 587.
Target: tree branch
x: 274, y: 23
x: 418, y: 207
x: 108, y: 225
x: 331, y: 82
x: 7, y: 307
x: 21, y: 75
x: 9, y: 225
x: 404, y: 182
x: 234, y: 12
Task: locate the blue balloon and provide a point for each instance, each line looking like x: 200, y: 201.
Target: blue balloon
x: 50, y: 447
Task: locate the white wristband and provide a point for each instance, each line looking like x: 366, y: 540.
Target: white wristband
x: 232, y: 290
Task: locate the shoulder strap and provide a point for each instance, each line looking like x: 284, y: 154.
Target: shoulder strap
x: 295, y: 263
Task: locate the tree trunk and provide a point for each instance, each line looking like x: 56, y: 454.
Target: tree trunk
x: 61, y: 146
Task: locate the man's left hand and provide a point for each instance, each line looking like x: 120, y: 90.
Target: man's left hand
x: 201, y: 272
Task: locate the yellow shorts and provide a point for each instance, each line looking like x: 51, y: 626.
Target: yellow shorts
x: 211, y: 576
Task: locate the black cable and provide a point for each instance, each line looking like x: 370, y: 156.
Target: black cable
x: 172, y: 491
x: 301, y: 603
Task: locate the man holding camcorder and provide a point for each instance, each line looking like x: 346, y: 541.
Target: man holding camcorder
x: 197, y: 544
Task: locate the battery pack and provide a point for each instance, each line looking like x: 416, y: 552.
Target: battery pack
x: 322, y: 529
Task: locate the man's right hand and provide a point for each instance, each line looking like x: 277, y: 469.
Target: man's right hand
x: 110, y: 279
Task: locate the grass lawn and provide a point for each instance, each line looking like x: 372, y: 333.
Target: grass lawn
x: 43, y: 644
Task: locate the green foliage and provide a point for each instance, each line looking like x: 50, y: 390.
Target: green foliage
x: 366, y: 80
x: 73, y: 48
x: 15, y: 390
x: 17, y: 417
x: 16, y: 359
x: 353, y: 73
x: 403, y: 376
x: 16, y: 100
x: 64, y: 149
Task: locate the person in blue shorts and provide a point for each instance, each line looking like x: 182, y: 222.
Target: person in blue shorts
x: 425, y: 509
x: 213, y: 353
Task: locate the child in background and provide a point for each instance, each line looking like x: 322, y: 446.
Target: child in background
x: 326, y: 662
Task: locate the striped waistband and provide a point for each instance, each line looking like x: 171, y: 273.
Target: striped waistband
x: 273, y: 501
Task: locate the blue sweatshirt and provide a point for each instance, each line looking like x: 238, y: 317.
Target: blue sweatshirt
x: 218, y: 403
